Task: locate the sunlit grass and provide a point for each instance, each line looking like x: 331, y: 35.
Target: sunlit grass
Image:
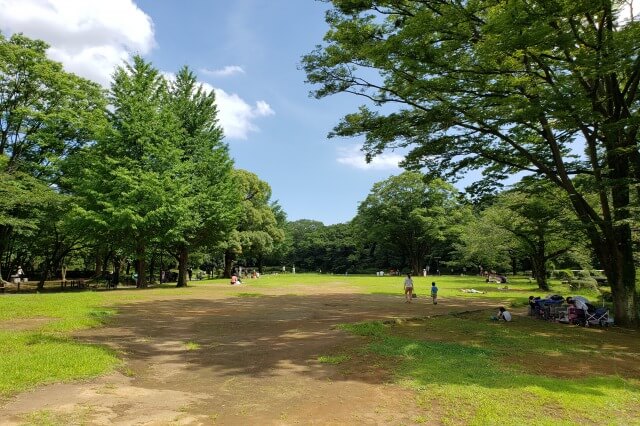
x: 31, y: 358
x: 475, y: 380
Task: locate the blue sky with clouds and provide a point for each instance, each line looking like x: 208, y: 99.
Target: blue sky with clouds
x: 248, y: 51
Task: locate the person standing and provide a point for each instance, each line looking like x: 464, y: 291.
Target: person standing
x: 434, y: 293
x: 408, y: 288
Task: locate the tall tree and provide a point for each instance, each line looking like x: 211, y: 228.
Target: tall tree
x: 503, y: 87
x: 408, y: 215
x: 210, y: 211
x: 131, y: 179
x: 46, y: 115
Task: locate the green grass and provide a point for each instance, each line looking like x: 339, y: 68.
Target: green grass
x: 192, y: 346
x: 474, y: 380
x: 333, y: 359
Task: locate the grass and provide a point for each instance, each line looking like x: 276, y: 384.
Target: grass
x: 468, y: 369
x: 480, y: 373
x: 333, y: 359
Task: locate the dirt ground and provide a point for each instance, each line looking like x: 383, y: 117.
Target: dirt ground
x: 250, y: 356
x: 238, y: 360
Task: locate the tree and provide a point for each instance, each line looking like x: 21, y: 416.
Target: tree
x: 131, y: 180
x: 408, y: 215
x: 502, y: 87
x: 46, y: 115
x: 210, y: 212
x: 258, y: 230
x: 540, y: 220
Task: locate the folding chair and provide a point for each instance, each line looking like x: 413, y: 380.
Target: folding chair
x: 598, y: 317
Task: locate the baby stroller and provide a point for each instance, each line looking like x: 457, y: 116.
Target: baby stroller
x: 600, y: 316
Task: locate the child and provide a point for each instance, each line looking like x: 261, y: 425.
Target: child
x: 434, y: 293
x: 503, y: 314
x: 408, y: 288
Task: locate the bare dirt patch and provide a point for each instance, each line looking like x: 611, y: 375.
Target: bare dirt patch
x: 252, y: 358
x: 237, y: 360
x: 24, y: 324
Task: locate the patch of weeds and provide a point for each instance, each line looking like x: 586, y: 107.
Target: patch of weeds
x: 370, y: 329
x: 192, y: 346
x: 129, y: 372
x: 44, y: 418
x: 249, y: 295
x: 333, y: 359
x: 101, y: 315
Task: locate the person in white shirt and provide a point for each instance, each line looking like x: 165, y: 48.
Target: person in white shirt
x: 503, y: 314
x: 408, y: 288
x: 579, y: 302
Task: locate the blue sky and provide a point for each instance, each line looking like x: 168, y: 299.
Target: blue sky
x: 248, y: 51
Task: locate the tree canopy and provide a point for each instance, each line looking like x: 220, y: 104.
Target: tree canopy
x: 409, y: 215
x: 549, y: 88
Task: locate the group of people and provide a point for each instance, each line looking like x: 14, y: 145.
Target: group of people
x: 409, y: 294
x: 571, y: 310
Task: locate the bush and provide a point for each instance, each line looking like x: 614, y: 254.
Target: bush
x: 587, y: 283
x: 563, y: 274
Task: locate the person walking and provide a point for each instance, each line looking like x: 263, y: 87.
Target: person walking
x: 434, y: 293
x: 408, y: 288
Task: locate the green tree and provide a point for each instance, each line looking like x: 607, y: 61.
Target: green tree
x: 545, y: 87
x: 131, y: 180
x: 258, y: 231
x: 46, y: 115
x: 540, y: 220
x: 408, y: 215
x: 210, y: 212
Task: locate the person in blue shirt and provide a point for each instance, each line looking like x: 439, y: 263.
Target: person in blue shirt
x: 434, y: 293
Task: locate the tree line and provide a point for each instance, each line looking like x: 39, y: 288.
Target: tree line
x: 137, y: 174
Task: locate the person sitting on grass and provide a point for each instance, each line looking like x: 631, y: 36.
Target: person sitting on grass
x: 503, y: 314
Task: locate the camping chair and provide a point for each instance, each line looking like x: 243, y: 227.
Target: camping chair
x: 598, y: 317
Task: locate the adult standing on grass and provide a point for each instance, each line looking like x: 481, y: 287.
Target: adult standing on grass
x: 408, y: 288
x: 434, y: 293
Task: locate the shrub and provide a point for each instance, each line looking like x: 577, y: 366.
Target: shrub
x: 563, y: 274
x: 586, y: 283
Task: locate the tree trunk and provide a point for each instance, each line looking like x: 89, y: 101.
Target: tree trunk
x: 416, y: 266
x: 183, y: 259
x: 98, y: 258
x: 228, y: 263
x: 117, y: 265
x: 45, y: 273
x: 539, y: 264
x: 142, y: 270
x: 620, y: 270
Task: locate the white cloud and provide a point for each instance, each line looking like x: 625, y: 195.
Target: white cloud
x: 236, y: 116
x: 227, y: 71
x: 90, y: 37
x: 354, y: 157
